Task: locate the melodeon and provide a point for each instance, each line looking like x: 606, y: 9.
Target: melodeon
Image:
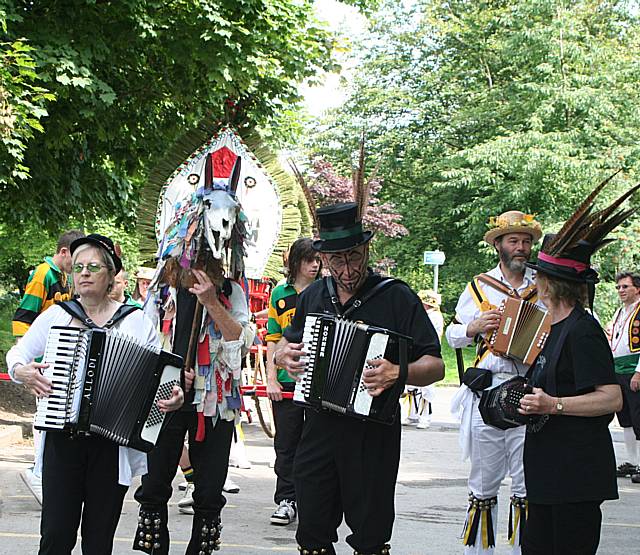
x: 522, y: 331
x: 106, y: 383
x: 337, y: 354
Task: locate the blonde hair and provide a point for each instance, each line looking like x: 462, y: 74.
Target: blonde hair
x: 562, y: 290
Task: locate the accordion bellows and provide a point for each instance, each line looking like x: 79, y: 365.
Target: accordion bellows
x: 106, y: 383
x: 522, y: 331
x: 337, y: 354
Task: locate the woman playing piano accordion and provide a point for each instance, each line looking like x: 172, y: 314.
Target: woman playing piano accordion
x: 569, y: 460
x: 84, y: 478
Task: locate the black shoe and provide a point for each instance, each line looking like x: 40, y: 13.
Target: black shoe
x: 635, y: 478
x: 626, y: 469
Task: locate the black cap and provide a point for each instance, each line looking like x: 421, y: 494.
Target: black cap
x: 102, y: 242
x: 340, y: 228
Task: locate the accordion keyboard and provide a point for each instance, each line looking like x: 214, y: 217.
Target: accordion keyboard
x: 310, y: 340
x: 62, y: 404
x: 377, y: 348
x: 153, y: 424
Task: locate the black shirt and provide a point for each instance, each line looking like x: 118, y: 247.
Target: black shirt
x: 396, y: 308
x: 571, y: 459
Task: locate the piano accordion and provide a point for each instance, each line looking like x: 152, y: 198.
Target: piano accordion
x: 337, y: 354
x: 106, y: 383
x: 522, y: 331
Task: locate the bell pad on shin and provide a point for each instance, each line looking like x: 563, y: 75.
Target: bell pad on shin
x: 382, y: 550
x: 152, y: 535
x: 205, y: 535
x: 316, y: 551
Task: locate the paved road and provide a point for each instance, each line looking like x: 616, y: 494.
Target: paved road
x: 431, y: 497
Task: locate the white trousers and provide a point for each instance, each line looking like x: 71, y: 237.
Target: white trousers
x: 494, y: 454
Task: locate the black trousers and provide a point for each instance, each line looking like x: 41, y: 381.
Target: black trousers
x: 567, y: 529
x: 346, y: 466
x: 209, y: 460
x: 289, y: 419
x: 79, y: 484
x: 629, y: 416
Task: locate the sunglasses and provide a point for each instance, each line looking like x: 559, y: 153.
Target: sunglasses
x: 93, y: 267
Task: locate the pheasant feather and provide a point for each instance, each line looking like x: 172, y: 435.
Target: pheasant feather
x: 570, y: 231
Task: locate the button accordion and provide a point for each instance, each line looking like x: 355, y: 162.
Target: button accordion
x: 337, y: 351
x: 106, y: 383
x: 522, y: 331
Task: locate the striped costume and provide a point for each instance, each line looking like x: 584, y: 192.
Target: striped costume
x: 46, y: 286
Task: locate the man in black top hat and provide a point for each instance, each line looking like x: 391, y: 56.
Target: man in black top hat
x: 346, y: 467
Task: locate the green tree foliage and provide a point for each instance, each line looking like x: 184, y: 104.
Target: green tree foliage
x: 480, y: 107
x: 22, y: 104
x: 129, y: 77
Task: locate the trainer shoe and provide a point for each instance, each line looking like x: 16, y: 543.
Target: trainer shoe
x: 34, y: 483
x: 285, y: 513
x: 182, y: 485
x: 424, y: 423
x: 230, y: 486
x: 188, y: 510
x: 626, y: 469
x: 635, y: 478
x: 187, y: 498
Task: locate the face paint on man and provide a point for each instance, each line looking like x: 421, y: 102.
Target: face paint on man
x: 349, y: 268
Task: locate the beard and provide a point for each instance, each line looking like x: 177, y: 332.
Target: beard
x: 514, y: 264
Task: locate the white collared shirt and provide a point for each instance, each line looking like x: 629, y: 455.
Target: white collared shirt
x: 32, y: 345
x: 468, y: 310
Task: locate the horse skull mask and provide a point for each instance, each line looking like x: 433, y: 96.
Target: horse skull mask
x: 220, y: 213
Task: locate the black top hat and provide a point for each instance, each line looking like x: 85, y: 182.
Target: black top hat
x: 340, y: 228
x: 573, y: 265
x: 102, y: 242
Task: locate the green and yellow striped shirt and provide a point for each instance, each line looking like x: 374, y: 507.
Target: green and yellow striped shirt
x: 46, y: 286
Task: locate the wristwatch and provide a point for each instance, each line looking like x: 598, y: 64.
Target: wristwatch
x: 559, y: 405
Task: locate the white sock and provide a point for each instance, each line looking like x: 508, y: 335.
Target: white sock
x: 631, y: 443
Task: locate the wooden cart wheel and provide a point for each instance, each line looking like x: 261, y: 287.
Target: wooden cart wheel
x: 264, y: 408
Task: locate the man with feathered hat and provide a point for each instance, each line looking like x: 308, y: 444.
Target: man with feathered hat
x: 347, y: 467
x: 493, y: 452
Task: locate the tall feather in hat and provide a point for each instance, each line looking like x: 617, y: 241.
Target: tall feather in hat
x: 567, y: 254
x: 590, y: 228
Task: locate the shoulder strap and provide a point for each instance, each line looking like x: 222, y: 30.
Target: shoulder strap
x: 75, y: 309
x: 478, y: 295
x: 497, y: 285
x: 551, y: 386
x: 377, y: 288
x: 530, y: 294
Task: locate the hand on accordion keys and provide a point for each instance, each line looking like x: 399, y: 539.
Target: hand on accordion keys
x: 174, y: 402
x: 485, y: 323
x: 536, y: 403
x: 31, y: 376
x: 381, y: 376
x: 288, y: 356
